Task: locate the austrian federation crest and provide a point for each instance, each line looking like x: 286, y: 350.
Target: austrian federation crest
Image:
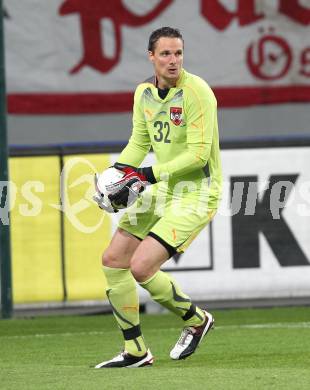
x: 176, y: 115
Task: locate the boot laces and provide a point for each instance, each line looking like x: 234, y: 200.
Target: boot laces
x: 189, y: 331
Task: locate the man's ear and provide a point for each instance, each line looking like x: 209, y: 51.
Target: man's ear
x: 151, y: 56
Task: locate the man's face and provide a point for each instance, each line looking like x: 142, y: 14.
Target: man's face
x: 167, y: 59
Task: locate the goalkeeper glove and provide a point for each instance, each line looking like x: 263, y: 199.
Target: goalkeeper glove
x: 136, y: 180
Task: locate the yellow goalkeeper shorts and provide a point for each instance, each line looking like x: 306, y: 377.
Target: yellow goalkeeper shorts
x: 174, y: 221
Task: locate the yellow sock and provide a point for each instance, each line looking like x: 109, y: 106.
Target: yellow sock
x: 122, y: 294
x: 166, y: 291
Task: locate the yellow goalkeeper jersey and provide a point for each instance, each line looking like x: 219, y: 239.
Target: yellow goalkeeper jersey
x: 182, y: 130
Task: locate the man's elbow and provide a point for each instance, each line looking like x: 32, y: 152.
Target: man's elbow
x: 201, y: 161
x: 202, y: 156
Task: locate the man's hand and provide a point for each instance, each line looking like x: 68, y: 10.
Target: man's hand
x: 136, y: 180
x: 103, y: 204
x: 102, y: 201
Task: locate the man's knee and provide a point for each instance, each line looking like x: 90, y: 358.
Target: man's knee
x: 110, y: 259
x: 139, y: 269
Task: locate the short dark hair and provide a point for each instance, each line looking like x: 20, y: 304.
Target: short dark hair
x: 163, y: 32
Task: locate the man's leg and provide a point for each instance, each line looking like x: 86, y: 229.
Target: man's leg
x: 123, y: 297
x: 145, y: 267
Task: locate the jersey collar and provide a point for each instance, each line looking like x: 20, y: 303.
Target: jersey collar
x: 179, y: 84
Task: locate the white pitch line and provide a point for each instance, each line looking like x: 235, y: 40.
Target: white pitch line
x: 66, y: 334
x: 276, y: 325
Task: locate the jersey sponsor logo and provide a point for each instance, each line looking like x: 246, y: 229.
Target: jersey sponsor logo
x: 176, y: 115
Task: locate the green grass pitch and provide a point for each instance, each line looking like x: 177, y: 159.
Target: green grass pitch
x: 248, y: 349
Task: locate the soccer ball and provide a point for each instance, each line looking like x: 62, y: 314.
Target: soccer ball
x: 106, y: 183
x: 110, y: 182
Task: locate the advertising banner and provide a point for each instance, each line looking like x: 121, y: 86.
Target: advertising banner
x: 87, y: 56
x: 256, y: 247
x: 259, y: 246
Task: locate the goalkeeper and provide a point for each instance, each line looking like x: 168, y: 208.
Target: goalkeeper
x: 175, y: 113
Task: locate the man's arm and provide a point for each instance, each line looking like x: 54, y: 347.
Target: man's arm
x: 131, y: 157
x: 139, y: 143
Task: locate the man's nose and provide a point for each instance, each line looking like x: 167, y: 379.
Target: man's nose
x: 173, y: 59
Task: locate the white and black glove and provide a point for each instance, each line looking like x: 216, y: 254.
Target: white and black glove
x: 136, y: 179
x: 118, y: 187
